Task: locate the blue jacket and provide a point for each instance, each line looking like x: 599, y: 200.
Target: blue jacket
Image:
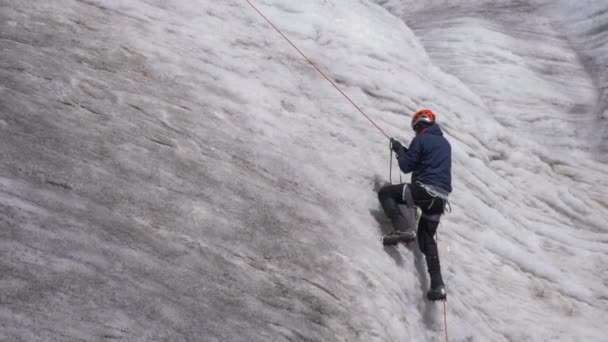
x: 429, y: 158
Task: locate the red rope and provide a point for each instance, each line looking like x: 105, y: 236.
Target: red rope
x: 445, y: 320
x: 318, y: 69
x: 445, y: 315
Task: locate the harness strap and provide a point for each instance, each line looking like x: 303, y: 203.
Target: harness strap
x: 437, y: 192
x: 407, y: 196
x: 434, y: 218
x: 434, y: 191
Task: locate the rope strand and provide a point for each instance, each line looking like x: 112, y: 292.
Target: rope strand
x: 390, y: 168
x: 318, y: 69
x: 445, y: 315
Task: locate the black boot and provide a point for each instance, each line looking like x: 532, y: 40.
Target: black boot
x: 437, y: 291
x: 397, y: 236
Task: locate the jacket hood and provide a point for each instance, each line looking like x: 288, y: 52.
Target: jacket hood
x: 433, y: 129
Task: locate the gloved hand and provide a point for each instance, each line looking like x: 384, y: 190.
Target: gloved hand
x: 397, y: 146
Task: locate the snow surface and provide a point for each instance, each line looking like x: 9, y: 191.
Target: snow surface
x: 174, y: 170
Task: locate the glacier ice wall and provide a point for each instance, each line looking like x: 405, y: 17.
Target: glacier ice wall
x: 175, y: 171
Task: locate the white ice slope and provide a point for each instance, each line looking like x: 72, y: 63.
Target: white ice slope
x: 175, y: 171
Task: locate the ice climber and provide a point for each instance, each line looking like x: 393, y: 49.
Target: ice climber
x: 429, y: 159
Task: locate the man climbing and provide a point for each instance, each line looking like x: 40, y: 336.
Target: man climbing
x: 429, y: 158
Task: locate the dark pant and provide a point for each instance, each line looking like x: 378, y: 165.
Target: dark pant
x: 432, y: 207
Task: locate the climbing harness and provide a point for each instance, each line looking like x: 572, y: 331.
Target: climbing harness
x: 436, y: 192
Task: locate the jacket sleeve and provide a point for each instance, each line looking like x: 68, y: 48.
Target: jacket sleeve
x: 409, y: 160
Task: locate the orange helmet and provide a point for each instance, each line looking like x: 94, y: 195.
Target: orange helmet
x: 422, y: 118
